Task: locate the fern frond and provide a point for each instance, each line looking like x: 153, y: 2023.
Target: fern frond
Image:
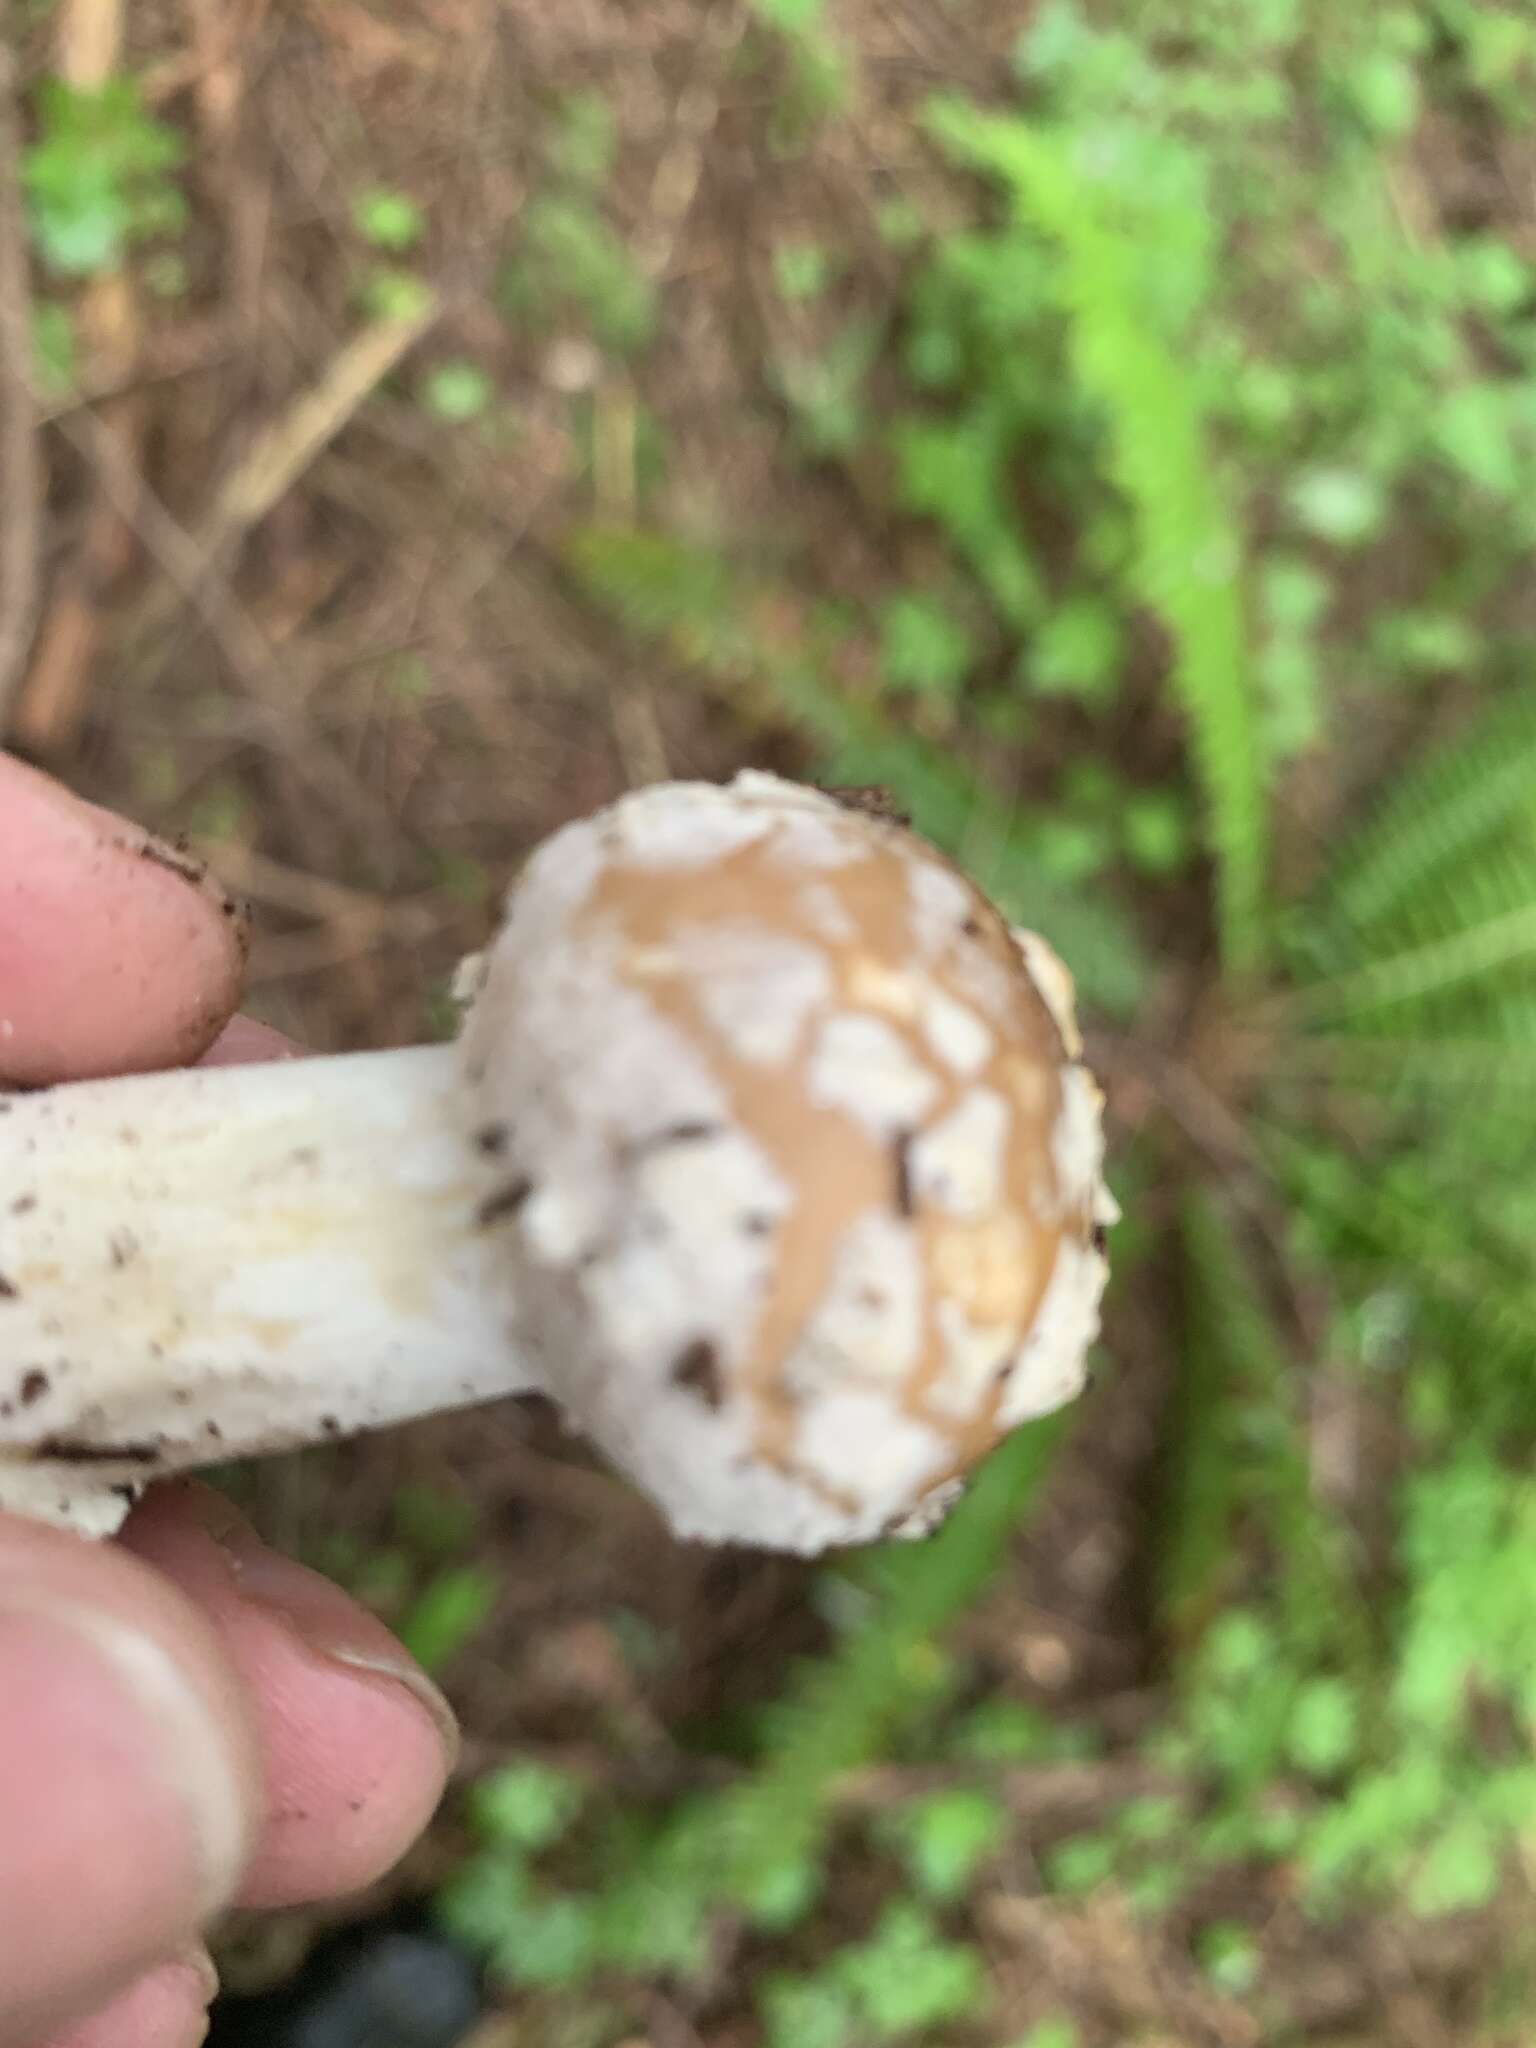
x: 1434, y: 968
x: 1468, y: 1259
x: 1186, y: 534
x: 1241, y: 1451
x: 841, y: 1712
x: 1459, y: 798
x: 1492, y: 1069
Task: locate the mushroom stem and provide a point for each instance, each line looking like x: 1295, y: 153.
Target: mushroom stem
x: 198, y: 1266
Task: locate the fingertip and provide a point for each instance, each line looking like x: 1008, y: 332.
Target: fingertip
x: 357, y: 1742
x: 118, y: 954
x: 167, y: 2008
x: 129, y: 1774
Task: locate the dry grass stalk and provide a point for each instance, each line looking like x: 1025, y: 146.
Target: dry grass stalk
x: 20, y: 457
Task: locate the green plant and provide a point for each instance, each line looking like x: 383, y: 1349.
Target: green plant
x: 571, y: 261
x: 758, y: 1849
x: 824, y: 391
x: 924, y: 648
x: 803, y: 270
x: 448, y: 1612
x: 1053, y: 2033
x: 97, y: 178
x: 944, y: 1840
x: 1124, y: 341
x: 53, y: 349
x: 817, y: 79
x: 389, y: 220
x: 905, y: 1978
x: 421, y: 1580
x: 584, y: 139
x: 457, y: 391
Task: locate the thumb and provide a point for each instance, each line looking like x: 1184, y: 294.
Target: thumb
x: 129, y: 1786
x: 116, y: 952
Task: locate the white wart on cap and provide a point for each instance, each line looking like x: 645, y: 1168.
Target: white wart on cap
x: 802, y: 1206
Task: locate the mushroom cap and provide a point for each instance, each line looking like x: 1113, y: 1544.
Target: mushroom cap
x: 803, y: 1202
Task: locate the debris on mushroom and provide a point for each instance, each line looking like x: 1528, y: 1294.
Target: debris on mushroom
x: 766, y: 1150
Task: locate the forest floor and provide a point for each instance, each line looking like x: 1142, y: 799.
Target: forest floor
x: 306, y: 599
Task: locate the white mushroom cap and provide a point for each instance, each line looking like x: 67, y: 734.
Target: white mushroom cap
x: 802, y: 1205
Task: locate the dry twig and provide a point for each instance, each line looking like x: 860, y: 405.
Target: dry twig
x: 277, y: 458
x: 236, y: 634
x: 20, y: 459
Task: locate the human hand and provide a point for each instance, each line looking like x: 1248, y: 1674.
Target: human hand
x: 187, y: 1719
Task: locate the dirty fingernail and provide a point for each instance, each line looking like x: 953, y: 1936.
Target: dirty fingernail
x: 331, y: 1624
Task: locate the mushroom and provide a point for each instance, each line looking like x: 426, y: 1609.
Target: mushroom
x: 766, y: 1150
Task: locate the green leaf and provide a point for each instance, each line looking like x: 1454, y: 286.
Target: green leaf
x: 907, y: 1976
x: 792, y: 17
x: 1077, y: 652
x: 571, y: 258
x: 392, y: 294
x: 1475, y: 433
x: 824, y: 391
x: 1295, y: 595
x: 1084, y: 1864
x: 1460, y: 1872
x: 1460, y: 797
x: 1323, y: 1735
x: 957, y: 474
x: 95, y: 179
x: 585, y: 139
x: 1383, y: 89
x: 1344, y: 506
x: 924, y: 647
x: 552, y: 1941
x: 945, y: 1838
x: 389, y: 220
x: 1155, y: 832
x: 807, y: 2012
x: 449, y: 1613
x: 457, y: 391
x: 436, y: 1521
x: 802, y: 270
x: 1051, y: 2033
x: 1230, y: 1956
x: 1004, y: 1731
x: 525, y: 1806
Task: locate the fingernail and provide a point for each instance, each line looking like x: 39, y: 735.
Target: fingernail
x: 330, y: 1623
x: 181, y: 1739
